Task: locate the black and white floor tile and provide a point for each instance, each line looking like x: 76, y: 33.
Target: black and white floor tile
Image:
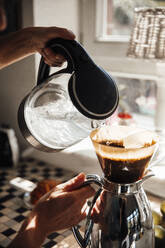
x: 12, y: 208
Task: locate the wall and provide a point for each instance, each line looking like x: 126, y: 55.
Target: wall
x: 60, y: 13
x: 18, y: 79
x: 95, y: 48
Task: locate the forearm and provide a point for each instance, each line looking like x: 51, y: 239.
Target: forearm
x: 27, y: 41
x: 16, y: 46
x: 30, y: 235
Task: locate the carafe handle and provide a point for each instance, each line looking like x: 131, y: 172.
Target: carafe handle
x: 83, y: 241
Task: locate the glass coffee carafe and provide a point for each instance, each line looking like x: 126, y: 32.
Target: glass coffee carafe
x: 120, y: 214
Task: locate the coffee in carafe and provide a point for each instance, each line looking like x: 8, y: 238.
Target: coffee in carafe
x: 124, y: 152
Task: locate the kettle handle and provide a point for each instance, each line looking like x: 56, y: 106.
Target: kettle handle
x: 43, y: 71
x: 83, y: 241
x: 72, y: 51
x: 57, y: 47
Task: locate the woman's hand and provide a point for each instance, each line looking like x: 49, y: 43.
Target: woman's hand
x: 98, y: 211
x: 61, y: 208
x: 18, y: 45
x: 40, y: 37
x: 64, y: 206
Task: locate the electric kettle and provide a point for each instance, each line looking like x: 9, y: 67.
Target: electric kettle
x: 65, y: 105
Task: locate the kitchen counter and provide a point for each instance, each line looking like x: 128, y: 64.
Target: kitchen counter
x: 13, y: 210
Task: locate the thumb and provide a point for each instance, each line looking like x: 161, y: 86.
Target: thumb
x: 73, y: 184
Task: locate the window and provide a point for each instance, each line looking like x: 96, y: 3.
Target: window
x: 107, y: 42
x: 115, y: 18
x: 137, y: 100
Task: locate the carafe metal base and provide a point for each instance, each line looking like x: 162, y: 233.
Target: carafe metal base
x: 126, y: 219
x: 123, y: 218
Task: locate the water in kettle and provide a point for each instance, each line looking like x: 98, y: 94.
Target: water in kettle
x: 57, y: 124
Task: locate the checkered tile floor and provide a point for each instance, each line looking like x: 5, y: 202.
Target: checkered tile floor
x: 12, y: 208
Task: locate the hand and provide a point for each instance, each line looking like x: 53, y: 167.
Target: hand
x: 64, y: 206
x: 27, y: 41
x: 61, y: 208
x: 98, y: 211
x: 40, y: 37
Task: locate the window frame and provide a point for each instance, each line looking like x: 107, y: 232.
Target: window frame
x: 110, y: 54
x: 101, y: 24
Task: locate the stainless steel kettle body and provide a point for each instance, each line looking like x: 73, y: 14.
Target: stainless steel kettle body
x: 90, y: 90
x: 124, y: 219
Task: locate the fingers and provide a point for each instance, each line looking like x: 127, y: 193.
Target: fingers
x: 98, y: 208
x: 64, y: 33
x: 51, y: 58
x: 73, y: 184
x: 41, y: 36
x: 85, y: 192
